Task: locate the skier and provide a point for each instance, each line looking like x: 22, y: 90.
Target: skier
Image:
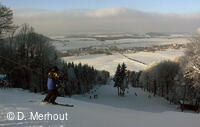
x: 52, y: 85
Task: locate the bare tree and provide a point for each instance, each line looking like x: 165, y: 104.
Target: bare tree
x: 159, y: 78
x: 11, y: 37
x: 6, y: 20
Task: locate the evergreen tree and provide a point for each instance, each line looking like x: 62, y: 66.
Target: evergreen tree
x: 117, y: 77
x: 120, y: 79
x: 123, y: 79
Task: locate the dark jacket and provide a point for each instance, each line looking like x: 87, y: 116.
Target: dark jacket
x: 52, y: 80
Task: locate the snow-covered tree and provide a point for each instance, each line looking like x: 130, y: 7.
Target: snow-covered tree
x: 160, y: 78
x: 192, y: 67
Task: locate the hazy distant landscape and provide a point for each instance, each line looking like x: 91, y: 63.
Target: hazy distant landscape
x: 79, y: 45
x: 105, y: 41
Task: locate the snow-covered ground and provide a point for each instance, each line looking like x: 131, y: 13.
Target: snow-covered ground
x: 110, y: 62
x: 158, y: 56
x: 108, y: 110
x: 105, y: 62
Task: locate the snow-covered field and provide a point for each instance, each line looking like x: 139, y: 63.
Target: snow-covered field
x: 105, y: 62
x: 110, y: 62
x: 158, y: 56
x: 108, y: 110
x: 64, y: 44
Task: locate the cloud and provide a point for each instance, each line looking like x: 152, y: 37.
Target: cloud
x: 106, y: 12
x: 117, y: 19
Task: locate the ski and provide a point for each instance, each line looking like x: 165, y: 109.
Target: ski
x: 67, y: 105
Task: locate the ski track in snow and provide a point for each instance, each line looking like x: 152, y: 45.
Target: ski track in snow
x: 133, y: 59
x: 108, y: 110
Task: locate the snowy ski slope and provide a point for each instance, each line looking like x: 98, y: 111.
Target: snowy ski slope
x: 108, y: 110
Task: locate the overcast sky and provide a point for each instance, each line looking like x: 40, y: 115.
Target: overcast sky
x: 65, y: 16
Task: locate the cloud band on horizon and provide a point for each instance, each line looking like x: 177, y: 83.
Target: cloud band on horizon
x: 116, y: 19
